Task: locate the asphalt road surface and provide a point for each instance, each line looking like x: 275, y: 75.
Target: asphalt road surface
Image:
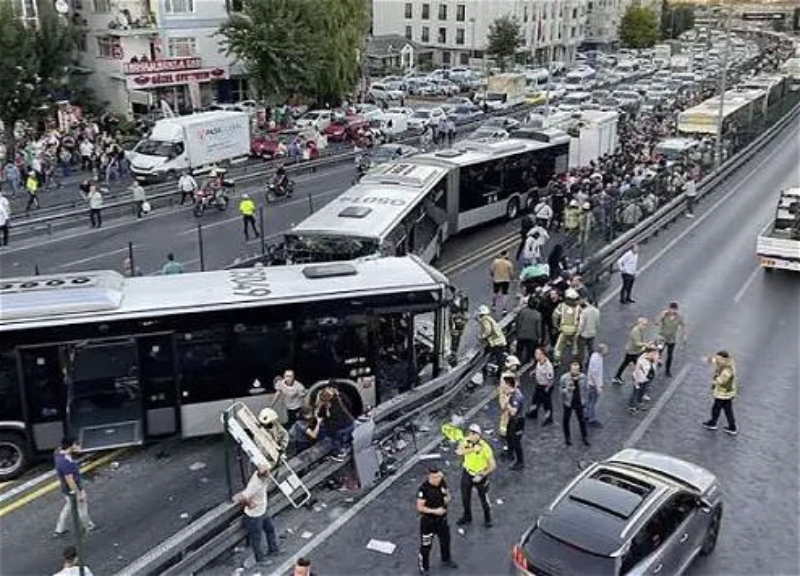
x: 708, y: 264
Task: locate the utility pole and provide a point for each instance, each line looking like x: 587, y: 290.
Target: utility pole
x: 723, y: 85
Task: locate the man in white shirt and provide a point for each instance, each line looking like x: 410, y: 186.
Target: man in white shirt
x: 5, y: 215
x: 292, y: 392
x: 72, y: 565
x: 256, y: 518
x: 691, y: 196
x: 187, y: 186
x: 594, y: 377
x: 543, y: 214
x: 628, y: 265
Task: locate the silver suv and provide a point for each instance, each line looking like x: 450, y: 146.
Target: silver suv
x: 637, y: 513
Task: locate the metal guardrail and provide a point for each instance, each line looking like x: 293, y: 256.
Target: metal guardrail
x: 602, y: 263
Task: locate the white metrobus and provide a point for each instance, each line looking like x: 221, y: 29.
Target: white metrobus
x: 114, y: 361
x: 741, y: 107
x: 413, y: 205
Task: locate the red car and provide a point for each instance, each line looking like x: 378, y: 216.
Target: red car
x: 346, y: 128
x: 266, y: 145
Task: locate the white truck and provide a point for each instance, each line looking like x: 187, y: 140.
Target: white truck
x: 193, y: 143
x: 778, y: 245
x: 505, y: 91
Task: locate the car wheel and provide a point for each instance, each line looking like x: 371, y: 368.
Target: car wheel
x: 710, y: 541
x: 14, y: 456
x: 512, y: 209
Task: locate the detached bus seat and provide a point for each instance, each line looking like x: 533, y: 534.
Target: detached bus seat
x: 264, y: 450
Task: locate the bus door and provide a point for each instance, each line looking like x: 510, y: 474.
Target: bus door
x: 158, y: 383
x: 105, y: 406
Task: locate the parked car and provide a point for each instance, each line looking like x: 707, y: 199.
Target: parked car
x: 345, y: 128
x: 635, y: 514
x: 388, y: 152
x: 404, y: 110
x: 424, y: 117
x: 445, y: 87
x: 464, y: 113
x: 380, y: 92
x: 319, y: 119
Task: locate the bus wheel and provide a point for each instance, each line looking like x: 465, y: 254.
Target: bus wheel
x: 512, y: 209
x: 530, y: 203
x: 13, y: 456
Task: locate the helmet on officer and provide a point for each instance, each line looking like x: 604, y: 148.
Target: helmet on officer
x: 573, y: 204
x: 267, y: 416
x: 513, y: 362
x: 483, y: 310
x: 571, y: 294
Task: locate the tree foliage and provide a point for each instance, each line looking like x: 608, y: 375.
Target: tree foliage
x: 675, y: 20
x: 504, y: 38
x: 303, y: 46
x: 34, y: 64
x: 639, y: 27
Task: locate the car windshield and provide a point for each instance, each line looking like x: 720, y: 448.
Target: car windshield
x: 313, y: 115
x: 550, y: 555
x: 155, y: 148
x: 422, y: 114
x: 381, y: 154
x: 313, y: 248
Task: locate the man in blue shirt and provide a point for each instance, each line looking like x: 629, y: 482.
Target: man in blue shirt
x: 69, y: 476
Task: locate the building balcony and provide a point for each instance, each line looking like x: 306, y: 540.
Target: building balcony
x: 124, y: 18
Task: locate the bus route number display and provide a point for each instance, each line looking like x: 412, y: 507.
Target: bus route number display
x: 250, y: 282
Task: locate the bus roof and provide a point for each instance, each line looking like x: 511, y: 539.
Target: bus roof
x: 376, y: 204
x: 468, y: 152
x: 103, y: 296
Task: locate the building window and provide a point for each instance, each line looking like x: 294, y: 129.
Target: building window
x: 426, y: 34
x: 442, y: 36
x: 446, y: 58
x: 426, y: 11
x: 573, y: 32
x: 235, y: 5
x: 108, y: 47
x: 442, y: 11
x: 178, y: 6
x: 102, y: 6
x: 409, y: 10
x: 574, y: 13
x: 464, y: 59
x: 460, y: 36
x: 461, y: 13
x: 181, y: 47
x: 408, y: 33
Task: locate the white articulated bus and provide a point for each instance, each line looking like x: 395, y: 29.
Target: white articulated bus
x: 413, y: 205
x: 114, y: 361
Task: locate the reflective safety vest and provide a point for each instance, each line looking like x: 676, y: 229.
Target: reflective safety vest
x: 491, y: 332
x: 247, y: 207
x: 570, y: 315
x: 478, y: 462
x: 572, y: 218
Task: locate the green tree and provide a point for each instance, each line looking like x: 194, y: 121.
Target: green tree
x: 33, y: 64
x: 505, y: 37
x: 306, y: 46
x: 675, y: 20
x: 639, y: 28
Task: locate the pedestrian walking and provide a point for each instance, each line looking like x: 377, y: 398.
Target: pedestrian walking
x: 139, y: 199
x: 72, y: 564
x: 292, y: 392
x: 501, y: 272
x: 433, y: 499
x: 594, y: 381
x: 525, y: 224
x: 95, y: 199
x: 247, y: 208
x: 187, y: 186
x: 543, y: 376
x: 644, y: 371
x: 634, y: 347
x: 515, y: 421
x: 32, y: 188
x: 5, y: 217
x: 628, y: 266
x: 533, y: 244
x: 171, y: 266
x: 724, y: 388
x: 69, y: 477
x: 670, y: 324
x: 574, y: 392
x: 451, y: 131
x: 12, y: 177
x: 588, y: 325
x: 479, y: 463
x: 543, y: 214
x: 691, y: 195
x: 529, y: 330
x: 257, y: 520
x: 566, y: 319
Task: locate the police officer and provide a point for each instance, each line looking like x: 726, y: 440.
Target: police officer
x: 247, y: 208
x: 491, y: 334
x: 479, y: 463
x: 433, y: 498
x: 566, y: 319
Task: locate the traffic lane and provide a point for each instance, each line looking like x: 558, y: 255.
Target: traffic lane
x: 170, y: 230
x: 146, y: 498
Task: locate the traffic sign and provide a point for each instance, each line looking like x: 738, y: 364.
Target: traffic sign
x: 763, y: 16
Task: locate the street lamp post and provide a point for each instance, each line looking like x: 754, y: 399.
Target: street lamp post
x: 723, y: 84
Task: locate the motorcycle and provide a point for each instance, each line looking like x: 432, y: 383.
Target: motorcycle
x: 363, y: 164
x: 207, y: 199
x: 276, y: 190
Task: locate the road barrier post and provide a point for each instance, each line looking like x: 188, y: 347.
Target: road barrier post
x: 36, y: 270
x: 310, y: 204
x: 200, y: 246
x: 76, y: 525
x: 130, y: 257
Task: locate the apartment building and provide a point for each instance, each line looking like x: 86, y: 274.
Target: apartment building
x: 456, y: 30
x: 140, y: 53
x: 602, y: 24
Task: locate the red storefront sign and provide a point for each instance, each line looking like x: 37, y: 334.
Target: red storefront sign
x: 144, y: 81
x: 167, y: 65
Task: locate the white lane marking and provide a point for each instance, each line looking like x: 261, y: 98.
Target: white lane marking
x: 640, y: 430
x: 32, y: 483
x: 695, y: 223
x: 369, y: 498
x: 94, y: 257
x: 750, y: 279
x: 209, y: 226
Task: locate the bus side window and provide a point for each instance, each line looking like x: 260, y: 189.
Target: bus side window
x: 10, y: 401
x: 261, y: 352
x: 205, y: 363
x: 44, y: 384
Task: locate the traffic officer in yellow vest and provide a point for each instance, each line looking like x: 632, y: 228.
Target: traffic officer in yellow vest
x: 724, y: 390
x: 479, y: 463
x: 247, y: 208
x: 566, y: 319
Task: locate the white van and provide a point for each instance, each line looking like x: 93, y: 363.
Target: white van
x: 391, y: 124
x: 580, y: 80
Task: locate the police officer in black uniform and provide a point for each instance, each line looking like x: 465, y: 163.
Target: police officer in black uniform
x: 432, y: 500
